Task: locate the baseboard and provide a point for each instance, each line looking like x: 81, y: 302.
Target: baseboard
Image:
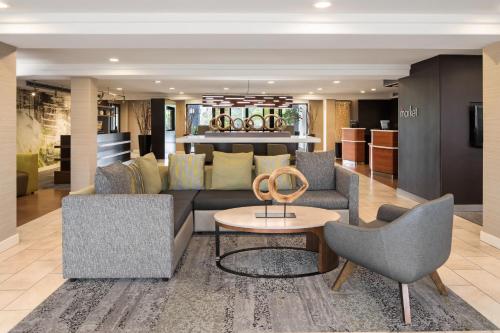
x: 410, y: 196
x: 9, y: 242
x: 490, y: 239
x: 468, y: 208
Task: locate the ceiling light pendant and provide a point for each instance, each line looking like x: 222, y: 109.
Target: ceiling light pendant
x: 322, y: 4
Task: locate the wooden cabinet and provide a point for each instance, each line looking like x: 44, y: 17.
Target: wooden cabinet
x: 384, y: 152
x: 353, y: 145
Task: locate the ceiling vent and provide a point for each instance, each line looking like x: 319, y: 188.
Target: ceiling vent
x: 391, y: 83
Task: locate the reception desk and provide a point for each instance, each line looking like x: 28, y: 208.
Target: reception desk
x: 384, y: 152
x: 353, y: 145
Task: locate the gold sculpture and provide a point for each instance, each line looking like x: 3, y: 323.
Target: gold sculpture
x: 248, y: 124
x: 273, y: 193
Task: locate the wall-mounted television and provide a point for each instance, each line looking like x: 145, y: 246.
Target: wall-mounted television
x: 476, y: 125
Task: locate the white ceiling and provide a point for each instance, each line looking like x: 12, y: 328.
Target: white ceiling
x: 202, y: 46
x: 267, y: 6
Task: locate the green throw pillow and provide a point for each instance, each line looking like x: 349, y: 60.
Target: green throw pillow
x: 232, y: 171
x: 267, y: 164
x: 185, y: 171
x: 150, y: 173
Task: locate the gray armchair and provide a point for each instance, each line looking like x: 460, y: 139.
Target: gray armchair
x: 402, y: 244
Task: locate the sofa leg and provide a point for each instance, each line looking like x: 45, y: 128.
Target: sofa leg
x: 165, y: 279
x: 439, y: 283
x: 344, y: 274
x: 405, y: 302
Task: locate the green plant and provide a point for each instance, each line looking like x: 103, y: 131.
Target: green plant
x: 291, y: 116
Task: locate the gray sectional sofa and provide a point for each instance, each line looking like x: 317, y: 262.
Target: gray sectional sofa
x: 145, y: 235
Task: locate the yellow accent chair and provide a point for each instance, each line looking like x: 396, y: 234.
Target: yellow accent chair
x: 28, y: 162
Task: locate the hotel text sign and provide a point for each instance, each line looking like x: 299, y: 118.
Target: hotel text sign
x: 410, y: 112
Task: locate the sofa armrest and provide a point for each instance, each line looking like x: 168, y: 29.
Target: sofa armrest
x: 347, y: 184
x: 389, y: 213
x: 118, y: 236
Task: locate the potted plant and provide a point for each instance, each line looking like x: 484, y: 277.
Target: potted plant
x: 142, y: 111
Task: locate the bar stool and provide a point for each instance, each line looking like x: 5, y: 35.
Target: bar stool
x: 274, y: 149
x: 242, y: 148
x: 207, y: 149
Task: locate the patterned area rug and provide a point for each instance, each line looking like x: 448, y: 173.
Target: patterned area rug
x: 202, y: 298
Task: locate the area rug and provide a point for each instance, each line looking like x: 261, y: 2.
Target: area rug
x: 202, y: 298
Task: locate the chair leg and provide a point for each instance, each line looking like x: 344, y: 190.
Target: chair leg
x: 439, y: 284
x: 405, y: 302
x: 344, y: 274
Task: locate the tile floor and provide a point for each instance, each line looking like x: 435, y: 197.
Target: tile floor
x: 31, y: 270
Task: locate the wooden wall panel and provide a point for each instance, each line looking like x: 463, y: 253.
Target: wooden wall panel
x: 180, y: 122
x: 316, y: 110
x: 491, y: 150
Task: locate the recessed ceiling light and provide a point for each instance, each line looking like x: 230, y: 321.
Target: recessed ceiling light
x: 336, y: 82
x: 181, y: 92
x: 270, y: 82
x: 373, y: 89
x: 157, y: 81
x: 171, y: 88
x: 311, y: 92
x: 362, y: 91
x: 114, y: 59
x: 33, y: 93
x: 322, y: 4
x: 119, y: 89
x: 319, y: 89
x: 4, y: 5
x: 226, y: 88
x: 263, y: 92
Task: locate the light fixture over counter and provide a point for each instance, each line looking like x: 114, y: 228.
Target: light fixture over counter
x: 222, y: 101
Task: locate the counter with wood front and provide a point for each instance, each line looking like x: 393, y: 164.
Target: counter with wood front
x: 353, y: 145
x: 384, y: 152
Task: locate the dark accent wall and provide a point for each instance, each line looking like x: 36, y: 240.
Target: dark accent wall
x: 371, y: 112
x: 435, y: 156
x: 158, y: 127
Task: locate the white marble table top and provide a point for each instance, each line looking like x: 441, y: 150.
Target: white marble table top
x: 306, y: 218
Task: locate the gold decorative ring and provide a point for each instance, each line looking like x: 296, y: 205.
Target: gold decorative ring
x: 219, y: 120
x: 262, y: 196
x: 278, y: 121
x: 286, y: 198
x: 251, y: 124
x: 240, y: 126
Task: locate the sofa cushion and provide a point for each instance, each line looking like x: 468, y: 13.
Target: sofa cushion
x: 318, y: 168
x: 329, y: 199
x: 181, y: 194
x: 185, y: 171
x: 183, y: 205
x: 113, y: 179
x: 232, y: 171
x: 218, y: 200
x: 150, y: 173
x: 136, y: 177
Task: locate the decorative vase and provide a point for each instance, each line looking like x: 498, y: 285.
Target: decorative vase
x: 144, y: 144
x: 310, y: 145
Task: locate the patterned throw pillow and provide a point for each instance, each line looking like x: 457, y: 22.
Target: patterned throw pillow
x: 267, y: 164
x: 318, y: 168
x: 150, y: 173
x: 186, y: 172
x: 232, y: 171
x: 112, y: 179
x: 136, y: 177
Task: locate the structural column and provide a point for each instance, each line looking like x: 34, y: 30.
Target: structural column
x: 491, y: 146
x: 83, y: 132
x: 180, y: 122
x: 158, y: 127
x: 8, y: 231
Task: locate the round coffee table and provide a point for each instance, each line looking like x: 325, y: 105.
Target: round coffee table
x: 308, y: 220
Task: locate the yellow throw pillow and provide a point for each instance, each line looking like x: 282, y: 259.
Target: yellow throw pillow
x: 267, y: 164
x: 185, y: 171
x: 232, y: 171
x: 150, y: 173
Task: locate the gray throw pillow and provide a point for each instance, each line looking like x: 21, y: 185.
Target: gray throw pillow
x: 113, y: 179
x: 318, y: 168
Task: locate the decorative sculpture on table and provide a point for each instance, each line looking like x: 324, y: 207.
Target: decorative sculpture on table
x: 224, y: 122
x: 273, y: 193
